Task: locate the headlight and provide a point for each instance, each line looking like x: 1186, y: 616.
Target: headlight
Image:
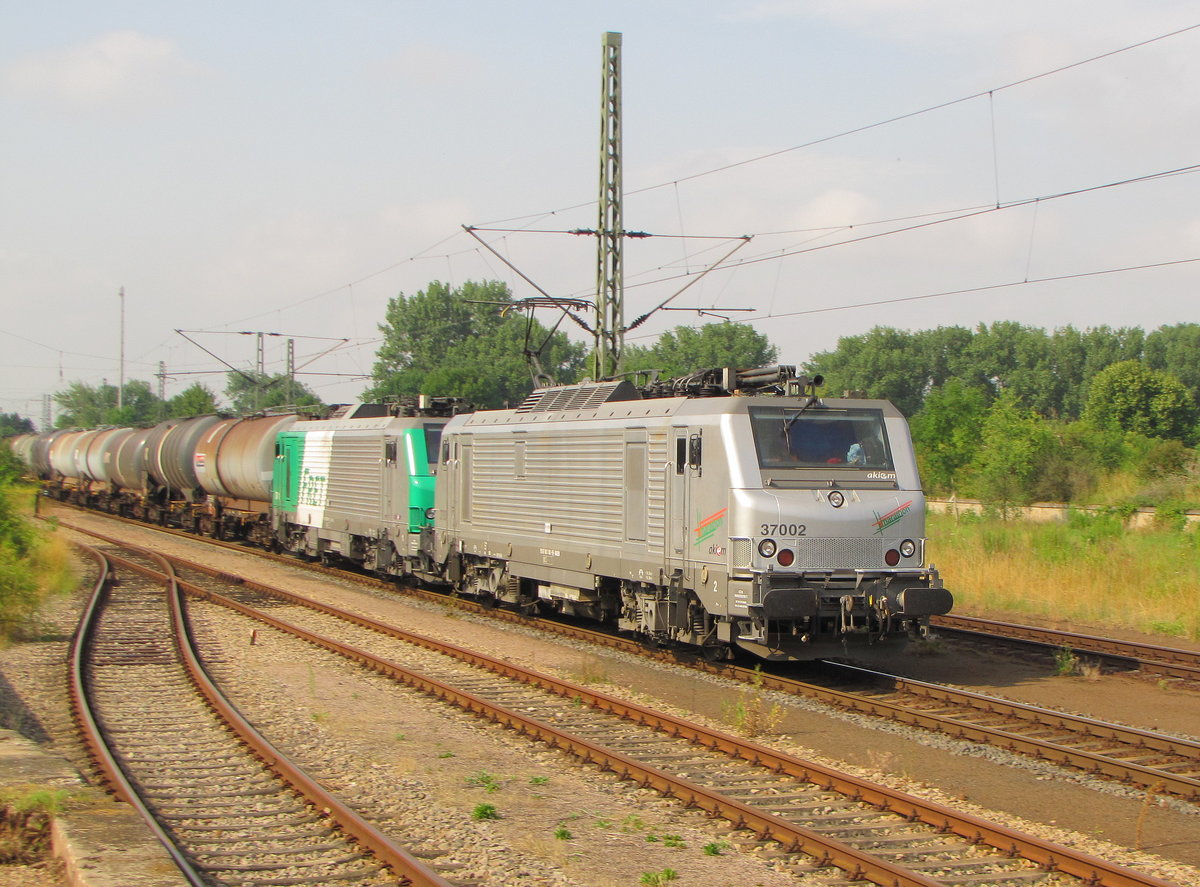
x: 767, y: 548
x: 429, y: 513
x: 908, y: 548
x: 836, y: 499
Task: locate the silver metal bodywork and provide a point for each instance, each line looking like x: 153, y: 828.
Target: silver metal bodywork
x: 353, y: 495
x: 650, y: 513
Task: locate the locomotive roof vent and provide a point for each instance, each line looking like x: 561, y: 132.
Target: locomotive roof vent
x: 577, y: 397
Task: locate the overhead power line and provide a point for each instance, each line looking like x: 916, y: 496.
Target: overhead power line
x: 426, y: 253
x: 1028, y: 281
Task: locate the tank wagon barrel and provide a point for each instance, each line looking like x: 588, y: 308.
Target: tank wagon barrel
x: 97, y: 456
x: 171, y: 458
x: 22, y: 446
x: 235, y: 457
x: 127, y: 462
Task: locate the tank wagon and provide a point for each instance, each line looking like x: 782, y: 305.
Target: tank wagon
x: 723, y: 511
x: 22, y: 446
x: 207, y: 473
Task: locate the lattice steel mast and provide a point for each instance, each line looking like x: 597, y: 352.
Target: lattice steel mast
x: 610, y: 284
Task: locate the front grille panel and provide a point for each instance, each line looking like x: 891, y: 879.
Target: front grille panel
x: 839, y: 554
x: 739, y: 553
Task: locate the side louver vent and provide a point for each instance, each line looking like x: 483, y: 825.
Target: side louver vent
x: 577, y: 397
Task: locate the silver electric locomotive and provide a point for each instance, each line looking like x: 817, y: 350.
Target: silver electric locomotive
x: 724, y: 510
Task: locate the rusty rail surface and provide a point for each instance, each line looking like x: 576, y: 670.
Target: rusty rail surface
x: 401, y: 862
x: 1053, y: 857
x: 93, y: 737
x: 1129, y: 773
x: 1086, y: 729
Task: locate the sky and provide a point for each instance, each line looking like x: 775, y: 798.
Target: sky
x: 287, y: 168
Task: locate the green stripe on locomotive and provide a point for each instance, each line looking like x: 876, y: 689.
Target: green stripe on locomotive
x: 421, y: 482
x: 285, y: 474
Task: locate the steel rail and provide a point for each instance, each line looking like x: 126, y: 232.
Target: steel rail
x: 1045, y: 856
x: 1091, y: 870
x: 93, y: 737
x: 792, y: 837
x: 401, y: 862
x: 1173, y: 661
x: 1126, y: 771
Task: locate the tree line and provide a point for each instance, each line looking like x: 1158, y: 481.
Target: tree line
x: 470, y: 341
x: 1012, y: 414
x: 89, y: 406
x: 1003, y: 412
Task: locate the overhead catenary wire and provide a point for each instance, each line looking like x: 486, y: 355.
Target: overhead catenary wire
x: 830, y: 233
x: 534, y: 218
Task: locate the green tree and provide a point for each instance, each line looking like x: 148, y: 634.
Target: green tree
x: 885, y: 363
x: 1077, y: 356
x: 250, y: 391
x: 14, y: 423
x: 946, y: 433
x: 83, y: 406
x: 1132, y: 397
x: 686, y: 349
x: 1013, y: 443
x: 462, y: 343
x: 1015, y: 358
x: 11, y: 467
x: 1176, y: 350
x: 195, y: 400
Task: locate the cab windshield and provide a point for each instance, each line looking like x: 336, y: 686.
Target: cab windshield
x: 820, y: 438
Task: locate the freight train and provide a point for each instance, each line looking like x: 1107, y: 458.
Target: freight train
x: 723, y: 511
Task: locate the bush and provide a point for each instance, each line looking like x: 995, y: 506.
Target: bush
x: 30, y: 565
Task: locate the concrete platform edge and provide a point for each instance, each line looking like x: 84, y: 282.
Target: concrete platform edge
x: 101, y: 841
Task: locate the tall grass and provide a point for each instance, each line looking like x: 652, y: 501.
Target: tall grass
x: 33, y: 564
x: 1088, y: 569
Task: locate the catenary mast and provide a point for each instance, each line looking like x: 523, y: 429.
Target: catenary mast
x: 610, y: 319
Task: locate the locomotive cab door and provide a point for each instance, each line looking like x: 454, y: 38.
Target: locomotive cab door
x: 393, y: 504
x: 685, y: 466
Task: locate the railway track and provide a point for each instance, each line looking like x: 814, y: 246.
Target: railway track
x: 818, y: 815
x: 164, y: 740
x: 1143, y: 759
x: 1153, y: 659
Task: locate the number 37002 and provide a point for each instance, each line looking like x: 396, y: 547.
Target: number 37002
x: 782, y: 529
